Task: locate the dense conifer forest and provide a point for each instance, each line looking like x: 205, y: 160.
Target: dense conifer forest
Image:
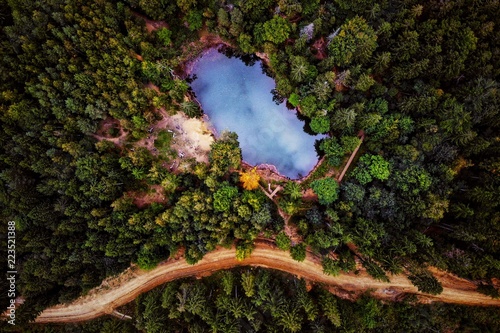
x: 417, y: 80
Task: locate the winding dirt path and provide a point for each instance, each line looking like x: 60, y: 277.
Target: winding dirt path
x: 125, y: 288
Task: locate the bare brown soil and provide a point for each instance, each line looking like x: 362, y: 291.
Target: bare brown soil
x: 150, y: 24
x: 126, y: 287
x: 103, y: 131
x: 156, y: 194
x: 319, y: 49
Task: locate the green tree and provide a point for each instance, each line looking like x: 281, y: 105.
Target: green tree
x: 293, y: 190
x: 308, y: 106
x: 227, y: 282
x: 326, y: 189
x: 165, y: 36
x: 349, y: 143
x: 372, y: 166
x: 283, y: 242
x: 298, y: 252
x: 355, y: 42
x: 191, y: 109
x: 364, y: 82
x: 330, y: 309
x: 320, y: 124
x: 243, y: 250
x: 225, y: 154
x: 299, y: 68
x: 294, y: 99
x: 333, y: 151
x: 330, y: 266
x: 223, y: 198
x: 344, y: 119
x: 195, y: 20
x: 276, y: 30
x: 426, y: 282
x: 245, y: 43
x: 248, y: 283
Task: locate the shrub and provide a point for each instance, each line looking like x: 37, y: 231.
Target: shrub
x: 294, y: 99
x: 330, y: 266
x: 298, y: 252
x: 244, y: 250
x: 489, y: 290
x: 283, y: 242
x: 320, y: 124
x: 426, y: 283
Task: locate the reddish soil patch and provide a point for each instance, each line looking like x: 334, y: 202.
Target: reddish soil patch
x: 103, y: 132
x: 309, y: 195
x: 319, y: 49
x: 150, y: 24
x: 156, y: 194
x: 106, y: 125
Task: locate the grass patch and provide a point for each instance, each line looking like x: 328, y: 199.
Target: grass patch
x: 320, y: 172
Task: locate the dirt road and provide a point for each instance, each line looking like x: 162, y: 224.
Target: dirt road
x: 123, y: 289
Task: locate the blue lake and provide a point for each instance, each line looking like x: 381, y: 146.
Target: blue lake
x: 238, y: 98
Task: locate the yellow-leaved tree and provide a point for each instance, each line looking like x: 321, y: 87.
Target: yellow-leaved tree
x: 250, y: 180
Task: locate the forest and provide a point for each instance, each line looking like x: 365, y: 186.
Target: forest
x: 417, y: 80
x: 259, y: 300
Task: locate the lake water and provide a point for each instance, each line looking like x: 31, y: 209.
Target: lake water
x: 238, y: 98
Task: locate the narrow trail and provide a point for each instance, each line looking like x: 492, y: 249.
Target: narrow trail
x: 125, y: 288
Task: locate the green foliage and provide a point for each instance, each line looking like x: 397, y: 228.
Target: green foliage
x: 224, y: 154
x: 245, y: 43
x: 148, y: 259
x: 185, y: 5
x: 320, y: 124
x: 276, y: 30
x: 293, y: 190
x: 426, y: 283
x: 195, y: 20
x: 165, y: 36
x: 282, y: 303
x: 223, y: 198
x: 349, y: 143
x: 248, y: 283
x: 294, y: 99
x: 283, y: 242
x: 375, y: 270
x: 308, y: 106
x: 355, y: 42
x: 364, y: 82
x: 243, y: 250
x: 372, y: 166
x: 163, y: 140
x: 330, y: 266
x: 413, y: 179
x: 299, y: 69
x: 424, y: 89
x: 488, y: 289
x: 330, y: 308
x: 326, y: 189
x: 227, y: 282
x: 298, y: 252
x: 191, y: 109
x: 333, y: 151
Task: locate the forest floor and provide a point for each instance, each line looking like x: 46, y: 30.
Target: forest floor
x: 117, y: 291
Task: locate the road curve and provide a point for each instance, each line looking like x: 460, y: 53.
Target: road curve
x: 123, y: 289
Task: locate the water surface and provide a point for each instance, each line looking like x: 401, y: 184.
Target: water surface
x: 238, y: 98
